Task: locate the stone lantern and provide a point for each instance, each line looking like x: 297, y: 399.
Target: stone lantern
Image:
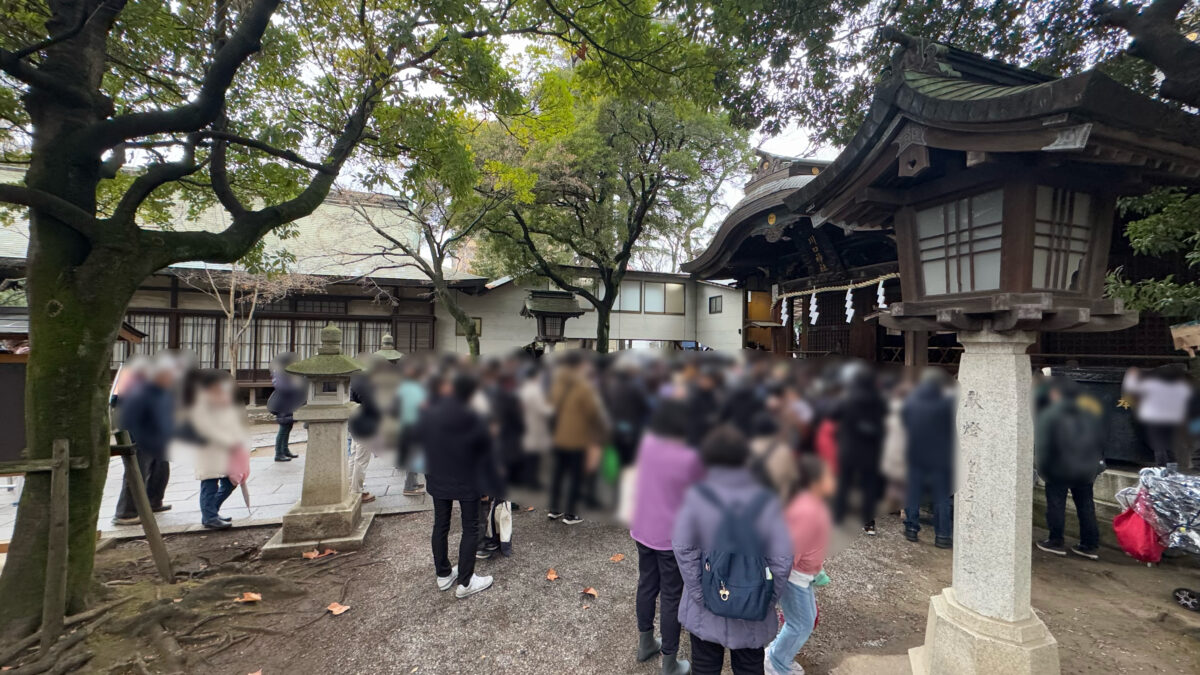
x: 388, y: 351
x: 327, y: 515
x: 551, y: 309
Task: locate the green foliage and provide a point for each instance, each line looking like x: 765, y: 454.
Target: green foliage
x: 818, y: 60
x: 628, y: 171
x: 1167, y: 221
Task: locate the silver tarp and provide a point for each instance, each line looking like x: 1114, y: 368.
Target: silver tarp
x: 1171, y: 504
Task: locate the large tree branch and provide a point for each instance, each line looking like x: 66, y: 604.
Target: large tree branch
x: 269, y: 149
x: 236, y: 240
x: 1157, y: 39
x: 208, y: 102
x: 544, y: 266
x: 74, y: 217
x: 125, y: 215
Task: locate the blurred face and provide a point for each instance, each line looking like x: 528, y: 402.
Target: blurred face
x: 219, y: 393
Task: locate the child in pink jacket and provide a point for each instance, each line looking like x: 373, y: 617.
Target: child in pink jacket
x: 809, y: 523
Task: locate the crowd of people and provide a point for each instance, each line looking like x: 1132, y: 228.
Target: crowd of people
x: 731, y: 472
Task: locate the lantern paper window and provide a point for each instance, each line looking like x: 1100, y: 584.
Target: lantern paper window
x: 552, y: 327
x: 1062, y: 235
x: 959, y: 244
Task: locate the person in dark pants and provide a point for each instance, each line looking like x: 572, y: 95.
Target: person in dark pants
x: 667, y: 467
x: 456, y: 442
x: 285, y: 400
x: 1068, y: 446
x: 860, y: 416
x: 928, y: 417
x: 709, y: 657
x: 148, y: 414
x: 580, y: 428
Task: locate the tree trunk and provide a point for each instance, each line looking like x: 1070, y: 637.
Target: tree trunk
x: 603, y: 314
x: 445, y: 295
x: 75, y: 312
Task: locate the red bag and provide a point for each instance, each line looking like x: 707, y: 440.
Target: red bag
x: 1137, y: 537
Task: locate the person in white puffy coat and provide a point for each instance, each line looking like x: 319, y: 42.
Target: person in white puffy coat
x: 213, y: 429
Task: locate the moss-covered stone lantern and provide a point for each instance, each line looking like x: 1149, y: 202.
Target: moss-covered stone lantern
x: 327, y: 515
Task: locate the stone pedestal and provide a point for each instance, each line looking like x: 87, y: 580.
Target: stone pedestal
x: 327, y: 515
x: 984, y: 623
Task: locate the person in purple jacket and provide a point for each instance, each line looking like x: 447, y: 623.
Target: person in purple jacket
x: 667, y: 467
x: 725, y: 452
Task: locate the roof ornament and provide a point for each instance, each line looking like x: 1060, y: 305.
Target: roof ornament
x: 918, y: 54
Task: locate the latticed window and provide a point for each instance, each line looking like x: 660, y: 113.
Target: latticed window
x: 959, y: 244
x: 157, y: 328
x: 1062, y: 235
x: 198, y: 334
x: 321, y: 306
x: 372, y: 335
x: 274, y: 338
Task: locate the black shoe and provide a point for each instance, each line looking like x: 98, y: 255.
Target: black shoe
x: 869, y: 529
x: 1089, y: 552
x: 943, y: 542
x: 554, y: 515
x: 571, y: 519
x: 1051, y: 547
x: 483, y: 554
x: 160, y: 508
x: 228, y: 520
x: 292, y: 454
x: 911, y: 535
x: 283, y: 458
x: 216, y: 524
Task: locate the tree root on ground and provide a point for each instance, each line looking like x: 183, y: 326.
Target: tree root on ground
x: 35, y: 637
x: 58, y: 659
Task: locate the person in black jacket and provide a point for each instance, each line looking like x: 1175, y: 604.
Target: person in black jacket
x: 1069, y: 455
x: 289, y: 394
x: 860, y: 415
x: 456, y: 442
x: 148, y: 414
x: 928, y: 417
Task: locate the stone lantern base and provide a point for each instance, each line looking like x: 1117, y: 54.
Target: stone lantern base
x: 959, y: 641
x: 341, y: 527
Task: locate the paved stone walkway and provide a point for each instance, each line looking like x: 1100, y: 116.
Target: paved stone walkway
x: 274, y: 487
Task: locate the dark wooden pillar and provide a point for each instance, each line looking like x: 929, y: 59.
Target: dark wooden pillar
x: 916, y: 348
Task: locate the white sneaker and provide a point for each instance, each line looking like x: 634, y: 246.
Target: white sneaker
x: 444, y: 583
x: 477, y: 584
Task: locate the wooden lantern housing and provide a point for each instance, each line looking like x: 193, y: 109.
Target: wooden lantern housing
x: 551, y: 309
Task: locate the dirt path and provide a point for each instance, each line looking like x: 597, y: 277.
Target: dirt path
x: 1109, y: 617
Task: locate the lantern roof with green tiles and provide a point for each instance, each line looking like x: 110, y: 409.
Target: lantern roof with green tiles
x: 329, y: 360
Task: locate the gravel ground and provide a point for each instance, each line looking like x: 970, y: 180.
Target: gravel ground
x: 877, y: 603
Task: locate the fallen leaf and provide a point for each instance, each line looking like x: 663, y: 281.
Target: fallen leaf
x: 309, y: 555
x: 248, y: 596
x: 551, y: 575
x: 176, y: 599
x: 590, y: 591
x: 529, y: 509
x: 414, y: 669
x: 618, y: 557
x: 326, y: 552
x: 586, y: 606
x: 257, y: 672
x: 336, y: 608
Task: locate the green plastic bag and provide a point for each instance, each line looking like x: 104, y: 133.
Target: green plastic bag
x: 610, y: 465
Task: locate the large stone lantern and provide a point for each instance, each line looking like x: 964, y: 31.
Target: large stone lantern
x: 327, y: 515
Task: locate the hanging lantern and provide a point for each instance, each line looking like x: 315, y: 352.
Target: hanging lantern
x: 849, y: 304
